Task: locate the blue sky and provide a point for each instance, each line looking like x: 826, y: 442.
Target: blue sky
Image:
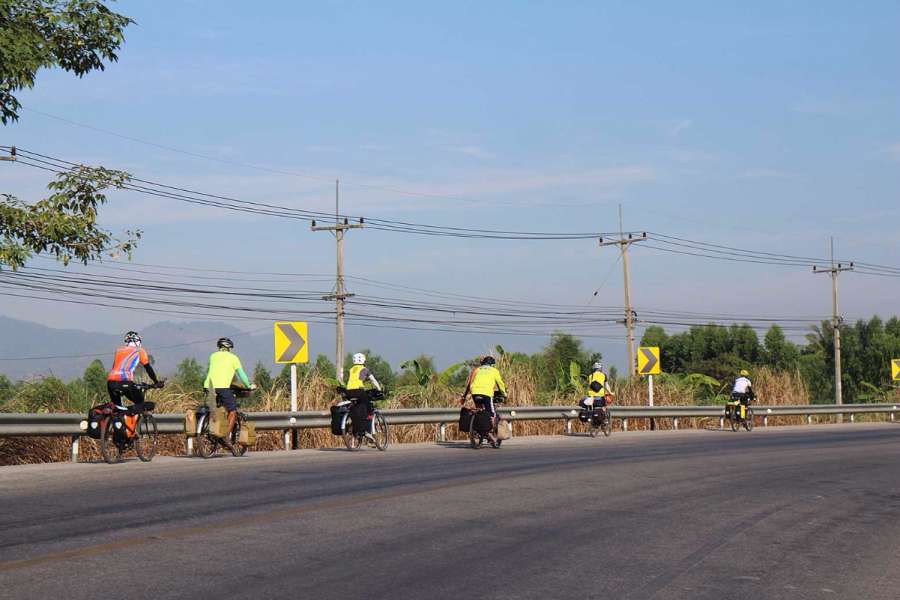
x: 768, y: 125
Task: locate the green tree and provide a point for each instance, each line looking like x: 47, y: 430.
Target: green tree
x: 73, y: 35
x: 76, y: 36
x: 190, y: 375
x: 48, y: 394
x: 779, y: 352
x: 555, y: 360
x: 7, y: 390
x: 262, y: 378
x: 94, y: 379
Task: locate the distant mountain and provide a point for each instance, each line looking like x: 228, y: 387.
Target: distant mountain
x: 28, y: 349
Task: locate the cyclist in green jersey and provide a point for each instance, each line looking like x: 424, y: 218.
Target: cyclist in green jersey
x: 224, y: 365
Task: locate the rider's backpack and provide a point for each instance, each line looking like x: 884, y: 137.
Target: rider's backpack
x: 465, y: 419
x: 359, y: 413
x: 97, y: 419
x: 337, y: 416
x: 483, y: 422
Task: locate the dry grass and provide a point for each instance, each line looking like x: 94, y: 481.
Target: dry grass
x: 774, y: 388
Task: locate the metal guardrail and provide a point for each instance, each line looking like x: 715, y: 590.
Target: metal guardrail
x: 74, y: 425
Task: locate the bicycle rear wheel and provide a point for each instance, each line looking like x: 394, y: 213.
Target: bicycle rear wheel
x: 381, y: 433
x: 476, y: 440
x: 237, y: 448
x: 207, y: 445
x: 607, y: 425
x: 110, y: 449
x: 748, y: 420
x: 145, y: 437
x: 351, y: 440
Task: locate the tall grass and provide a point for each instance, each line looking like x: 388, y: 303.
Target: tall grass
x: 317, y: 393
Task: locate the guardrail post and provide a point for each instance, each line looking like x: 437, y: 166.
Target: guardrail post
x: 675, y: 423
x: 189, y: 446
x: 624, y: 424
x: 721, y: 422
x: 442, y: 432
x: 510, y: 429
x: 852, y: 417
x: 287, y: 439
x: 765, y: 420
x: 569, y: 425
x: 809, y: 419
x: 73, y: 450
x: 892, y: 417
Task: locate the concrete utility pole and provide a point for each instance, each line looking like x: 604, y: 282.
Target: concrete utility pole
x: 339, y: 294
x: 836, y: 320
x: 623, y: 243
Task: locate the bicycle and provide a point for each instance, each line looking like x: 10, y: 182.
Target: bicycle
x: 597, y: 418
x: 737, y: 417
x: 476, y: 438
x: 130, y: 427
x: 207, y: 443
x: 378, y: 428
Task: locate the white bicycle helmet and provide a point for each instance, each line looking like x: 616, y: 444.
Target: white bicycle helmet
x: 359, y: 358
x: 132, y: 337
x: 598, y: 366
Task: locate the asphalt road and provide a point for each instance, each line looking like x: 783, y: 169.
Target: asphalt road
x: 807, y: 512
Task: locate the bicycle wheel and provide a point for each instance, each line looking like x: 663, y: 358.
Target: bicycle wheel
x: 352, y: 441
x: 145, y: 437
x: 607, y: 425
x: 381, y: 434
x: 237, y: 448
x: 475, y: 439
x: 748, y: 421
x: 110, y: 450
x: 734, y: 420
x: 593, y: 430
x: 207, y: 445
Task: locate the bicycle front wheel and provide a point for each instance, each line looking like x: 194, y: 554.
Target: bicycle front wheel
x: 607, y: 425
x: 145, y: 437
x: 381, y: 434
x: 110, y: 449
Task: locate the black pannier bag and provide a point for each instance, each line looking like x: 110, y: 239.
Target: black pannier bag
x: 483, y: 422
x: 465, y: 419
x: 337, y: 415
x: 584, y: 416
x: 96, y: 417
x: 598, y: 417
x: 359, y: 415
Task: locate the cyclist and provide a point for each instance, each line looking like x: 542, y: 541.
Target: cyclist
x: 359, y: 377
x: 598, y: 387
x: 121, y: 377
x: 742, y: 389
x: 482, y: 382
x: 224, y: 365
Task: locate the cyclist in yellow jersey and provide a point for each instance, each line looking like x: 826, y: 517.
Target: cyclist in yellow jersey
x: 358, y: 378
x: 598, y: 387
x: 482, y: 382
x: 224, y: 365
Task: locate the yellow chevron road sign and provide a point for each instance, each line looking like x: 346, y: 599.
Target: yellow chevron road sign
x: 290, y: 342
x: 648, y: 360
x: 895, y: 369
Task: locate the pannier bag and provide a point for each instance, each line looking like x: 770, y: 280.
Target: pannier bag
x: 504, y: 430
x: 483, y: 422
x: 190, y: 423
x: 97, y: 419
x: 218, y: 422
x: 130, y: 422
x: 465, y: 419
x: 359, y: 415
x: 584, y: 416
x: 337, y: 415
x: 598, y: 418
x: 248, y: 433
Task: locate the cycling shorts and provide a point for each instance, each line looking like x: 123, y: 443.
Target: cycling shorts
x: 485, y: 403
x: 124, y: 389
x: 226, y: 398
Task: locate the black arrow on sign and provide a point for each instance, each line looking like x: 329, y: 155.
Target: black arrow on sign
x: 651, y: 361
x: 296, y: 342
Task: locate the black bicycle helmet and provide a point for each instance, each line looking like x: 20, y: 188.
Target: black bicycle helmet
x: 488, y: 360
x: 225, y: 343
x: 132, y: 337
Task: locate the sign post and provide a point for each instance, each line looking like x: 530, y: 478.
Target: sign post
x: 648, y: 364
x: 291, y: 348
